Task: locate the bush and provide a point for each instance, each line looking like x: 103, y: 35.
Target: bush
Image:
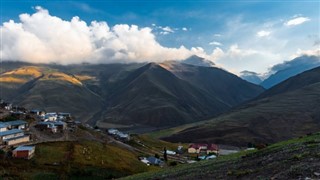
x: 173, y: 163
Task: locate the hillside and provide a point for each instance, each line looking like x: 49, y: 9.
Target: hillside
x: 127, y: 95
x: 283, y: 112
x: 73, y: 160
x: 48, y: 89
x: 293, y: 159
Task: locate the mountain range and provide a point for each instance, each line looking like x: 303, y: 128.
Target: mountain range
x: 289, y: 109
x: 153, y: 95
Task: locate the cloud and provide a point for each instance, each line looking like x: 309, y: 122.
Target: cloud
x: 217, y: 35
x: 167, y: 30
x: 310, y: 52
x: 216, y: 43
x: 85, y: 7
x: 43, y: 38
x: 302, y: 61
x: 263, y: 33
x: 184, y: 29
x: 296, y: 21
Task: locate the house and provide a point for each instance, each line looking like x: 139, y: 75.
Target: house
x: 18, y: 124
x: 25, y: 152
x: 65, y: 115
x: 197, y: 148
x: 113, y: 131
x: 171, y: 152
x: 10, y: 134
x: 154, y: 161
x: 37, y: 112
x: 8, y: 106
x: 3, y: 127
x: 123, y: 136
x: 47, y: 126
x: 13, y: 136
x: 17, y: 140
x: 145, y: 161
x: 50, y: 117
x: 213, y: 148
x: 61, y: 126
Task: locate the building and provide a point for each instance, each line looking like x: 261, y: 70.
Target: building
x: 197, y: 148
x: 154, y: 161
x: 123, y: 136
x: 8, y: 106
x: 37, y: 112
x: 18, y: 124
x: 17, y: 140
x: 213, y: 148
x: 65, y: 115
x: 25, y: 152
x: 3, y: 127
x: 61, y: 126
x: 13, y: 136
x: 53, y: 127
x: 113, y: 131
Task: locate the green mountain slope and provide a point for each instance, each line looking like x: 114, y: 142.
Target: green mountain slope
x: 293, y: 159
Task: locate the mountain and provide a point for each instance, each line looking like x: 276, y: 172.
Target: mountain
x: 155, y: 96
x: 289, y: 109
x: 198, y: 61
x: 250, y: 76
x: 288, y: 69
x: 127, y: 95
x: 38, y: 87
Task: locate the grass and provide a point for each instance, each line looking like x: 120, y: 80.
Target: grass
x: 72, y: 160
x: 277, y: 160
x: 155, y: 144
x: 170, y: 131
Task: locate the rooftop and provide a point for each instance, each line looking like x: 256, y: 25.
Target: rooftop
x: 15, y: 138
x: 16, y: 122
x: 12, y: 131
x: 3, y: 125
x: 25, y: 148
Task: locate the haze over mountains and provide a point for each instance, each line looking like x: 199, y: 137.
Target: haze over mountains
x: 289, y: 109
x: 129, y: 95
x: 282, y: 71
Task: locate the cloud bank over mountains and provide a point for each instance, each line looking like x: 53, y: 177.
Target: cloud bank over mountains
x: 43, y: 38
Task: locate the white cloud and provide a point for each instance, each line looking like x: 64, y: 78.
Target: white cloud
x: 216, y: 43
x: 217, y: 35
x: 184, y: 29
x: 43, y: 38
x: 296, y: 21
x: 168, y: 29
x: 310, y: 52
x: 263, y: 33
x: 164, y: 33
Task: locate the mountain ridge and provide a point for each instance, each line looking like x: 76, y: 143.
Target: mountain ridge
x: 137, y: 94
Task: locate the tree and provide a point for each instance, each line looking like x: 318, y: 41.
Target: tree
x: 165, y: 157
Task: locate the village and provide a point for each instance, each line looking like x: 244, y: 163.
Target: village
x: 21, y: 130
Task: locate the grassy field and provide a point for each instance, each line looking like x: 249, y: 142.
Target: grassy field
x: 68, y: 160
x: 293, y: 159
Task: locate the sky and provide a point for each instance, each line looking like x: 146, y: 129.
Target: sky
x: 239, y: 35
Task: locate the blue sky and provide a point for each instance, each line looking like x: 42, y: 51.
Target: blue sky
x: 237, y: 35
